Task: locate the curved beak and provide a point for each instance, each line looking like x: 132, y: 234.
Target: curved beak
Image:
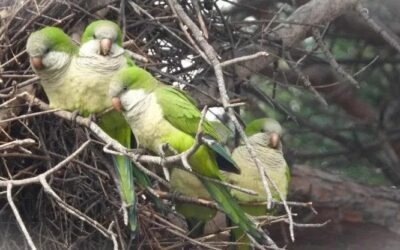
x: 105, y: 46
x: 37, y: 62
x: 274, y: 140
x: 116, y: 103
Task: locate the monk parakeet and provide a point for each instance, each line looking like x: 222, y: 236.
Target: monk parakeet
x: 51, y: 52
x: 264, y: 135
x: 161, y: 115
x: 188, y: 184
x: 79, y: 80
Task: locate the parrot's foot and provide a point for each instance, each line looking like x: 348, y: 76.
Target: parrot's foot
x: 166, y: 149
x: 138, y: 151
x: 174, y: 195
x: 93, y: 118
x: 74, y: 115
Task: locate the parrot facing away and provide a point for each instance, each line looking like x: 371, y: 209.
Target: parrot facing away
x: 264, y: 135
x: 161, y: 115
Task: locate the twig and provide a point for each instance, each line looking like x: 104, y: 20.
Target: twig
x: 240, y: 189
x: 244, y: 58
x: 331, y: 59
x: 36, y: 179
x: 75, y: 212
x: 185, y: 198
x: 179, y: 232
x: 203, y: 27
x: 136, y: 56
x: 189, y: 37
x: 212, y: 55
x: 18, y: 217
x: 309, y: 225
x: 306, y: 82
x: 16, y: 143
x: 28, y: 115
x: 390, y: 37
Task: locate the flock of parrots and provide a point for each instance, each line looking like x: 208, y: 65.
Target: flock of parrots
x: 99, y: 75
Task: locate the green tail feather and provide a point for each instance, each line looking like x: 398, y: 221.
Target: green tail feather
x: 224, y: 159
x: 115, y: 125
x: 123, y: 167
x: 232, y: 209
x: 240, y: 237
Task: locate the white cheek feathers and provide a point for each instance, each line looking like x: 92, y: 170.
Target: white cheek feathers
x: 55, y: 60
x: 131, y: 98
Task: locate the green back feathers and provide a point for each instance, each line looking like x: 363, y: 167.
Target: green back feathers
x: 50, y: 38
x: 102, y: 28
x: 182, y: 113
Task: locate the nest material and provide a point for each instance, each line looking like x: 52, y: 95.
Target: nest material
x: 86, y: 182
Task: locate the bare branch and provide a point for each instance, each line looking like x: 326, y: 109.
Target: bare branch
x: 244, y: 58
x: 18, y: 217
x: 16, y: 143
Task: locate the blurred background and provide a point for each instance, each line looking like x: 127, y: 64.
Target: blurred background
x: 331, y: 79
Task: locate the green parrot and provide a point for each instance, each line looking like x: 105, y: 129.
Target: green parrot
x: 264, y: 135
x: 77, y: 79
x: 188, y: 184
x: 51, y: 52
x: 161, y: 115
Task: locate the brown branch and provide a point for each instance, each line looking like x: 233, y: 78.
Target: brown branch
x: 314, y: 13
x: 390, y: 37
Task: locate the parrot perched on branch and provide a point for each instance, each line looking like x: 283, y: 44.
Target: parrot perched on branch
x: 264, y: 135
x: 51, y: 52
x: 77, y: 79
x: 161, y: 115
x: 188, y: 184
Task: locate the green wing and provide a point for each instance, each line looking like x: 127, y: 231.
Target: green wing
x: 182, y: 112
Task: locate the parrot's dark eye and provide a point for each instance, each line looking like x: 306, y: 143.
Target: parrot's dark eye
x: 125, y: 88
x: 263, y: 130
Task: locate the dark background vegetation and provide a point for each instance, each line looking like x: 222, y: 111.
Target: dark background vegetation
x: 332, y: 80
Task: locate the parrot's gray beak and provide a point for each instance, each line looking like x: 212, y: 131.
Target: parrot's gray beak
x: 274, y: 140
x: 37, y: 63
x: 116, y: 103
x: 105, y: 46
